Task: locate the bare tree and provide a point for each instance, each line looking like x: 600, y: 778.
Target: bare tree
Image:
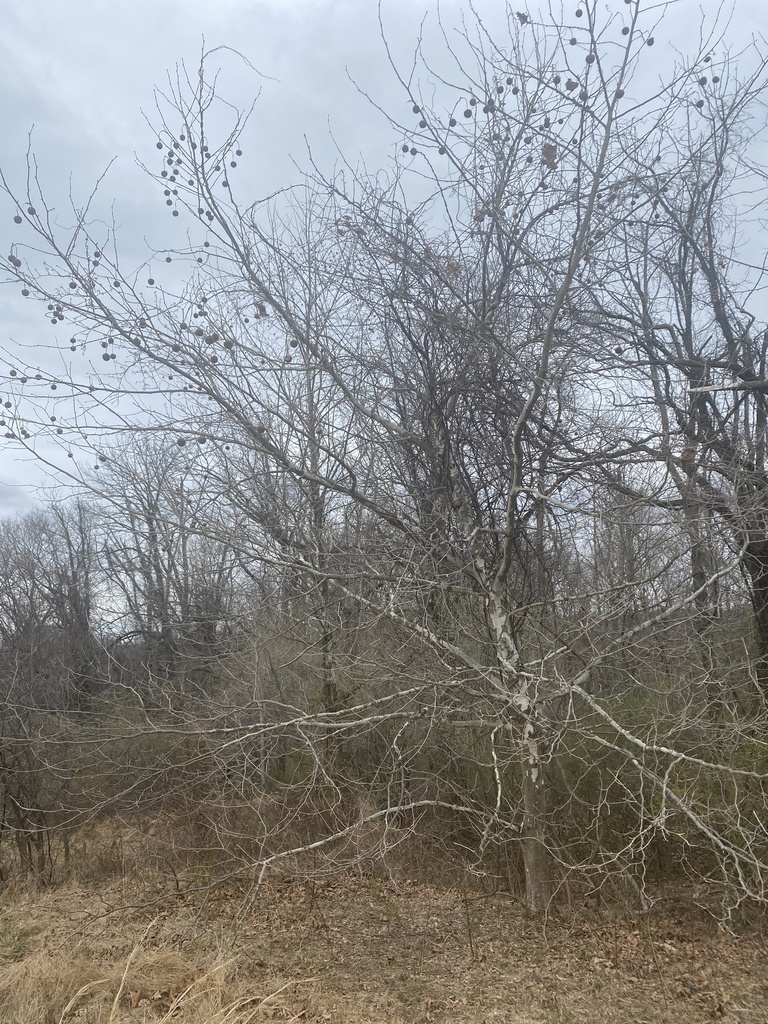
x: 679, y: 296
x: 50, y: 584
x: 177, y: 607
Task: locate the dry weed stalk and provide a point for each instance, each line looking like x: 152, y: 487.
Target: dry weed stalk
x: 83, y: 991
x: 128, y: 963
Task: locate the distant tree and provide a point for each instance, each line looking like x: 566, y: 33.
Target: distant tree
x: 50, y: 577
x: 169, y: 552
x: 682, y: 300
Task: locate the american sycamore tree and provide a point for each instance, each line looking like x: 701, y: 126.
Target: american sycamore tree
x: 481, y: 436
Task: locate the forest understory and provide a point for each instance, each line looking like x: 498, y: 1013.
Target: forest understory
x: 355, y: 949
x: 147, y: 945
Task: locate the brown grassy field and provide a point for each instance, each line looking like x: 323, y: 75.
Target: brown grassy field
x: 149, y: 948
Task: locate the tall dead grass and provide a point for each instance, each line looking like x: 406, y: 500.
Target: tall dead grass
x: 157, y: 986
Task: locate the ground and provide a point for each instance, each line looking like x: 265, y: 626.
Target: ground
x: 355, y: 951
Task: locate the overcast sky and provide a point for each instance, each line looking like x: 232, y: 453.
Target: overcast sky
x: 83, y: 73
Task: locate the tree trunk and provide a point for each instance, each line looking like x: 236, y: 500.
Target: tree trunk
x: 707, y: 600
x: 756, y: 563
x: 536, y: 858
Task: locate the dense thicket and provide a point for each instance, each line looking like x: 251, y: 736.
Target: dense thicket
x: 430, y: 502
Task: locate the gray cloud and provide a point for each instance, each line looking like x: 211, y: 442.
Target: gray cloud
x: 85, y: 74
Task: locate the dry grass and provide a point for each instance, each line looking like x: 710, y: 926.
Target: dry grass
x: 39, y: 988
x: 51, y: 985
x: 156, y: 986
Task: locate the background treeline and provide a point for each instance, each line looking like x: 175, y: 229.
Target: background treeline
x: 154, y: 671
x: 428, y: 509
